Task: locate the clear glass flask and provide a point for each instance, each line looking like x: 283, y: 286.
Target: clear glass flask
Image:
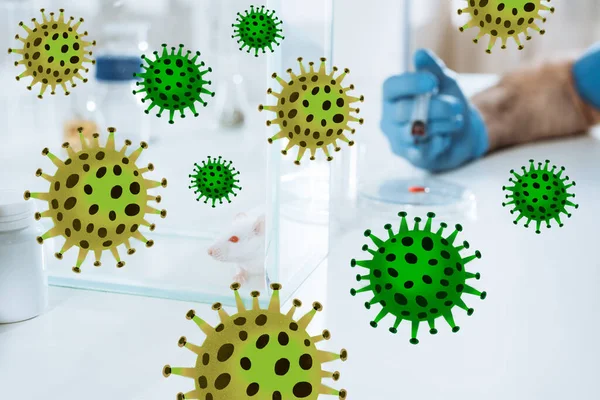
x: 117, y: 60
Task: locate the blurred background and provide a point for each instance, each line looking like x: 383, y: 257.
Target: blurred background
x: 573, y: 27
x: 135, y: 26
x: 374, y: 42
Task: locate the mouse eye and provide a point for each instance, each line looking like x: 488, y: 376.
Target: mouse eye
x: 234, y: 239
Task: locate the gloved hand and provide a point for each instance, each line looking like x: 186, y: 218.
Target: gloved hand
x: 587, y: 77
x: 456, y: 132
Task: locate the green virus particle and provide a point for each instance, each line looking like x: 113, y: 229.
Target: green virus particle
x: 215, y: 180
x: 504, y: 19
x: 173, y: 82
x: 313, y: 110
x: 257, y: 29
x: 261, y: 353
x: 53, y: 52
x: 539, y: 194
x: 417, y: 275
x: 97, y: 198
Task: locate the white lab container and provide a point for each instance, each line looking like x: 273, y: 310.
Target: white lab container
x: 294, y: 198
x: 23, y: 280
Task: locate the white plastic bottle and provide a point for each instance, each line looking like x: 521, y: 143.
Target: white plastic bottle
x: 23, y: 275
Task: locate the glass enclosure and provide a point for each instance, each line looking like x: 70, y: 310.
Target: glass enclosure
x: 279, y: 217
x: 303, y: 190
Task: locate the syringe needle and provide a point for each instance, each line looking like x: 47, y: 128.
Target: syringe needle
x: 419, y: 116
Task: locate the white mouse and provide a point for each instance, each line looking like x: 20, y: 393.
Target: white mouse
x: 242, y: 243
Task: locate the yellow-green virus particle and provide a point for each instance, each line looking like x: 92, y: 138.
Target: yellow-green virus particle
x: 417, y: 275
x: 313, y: 110
x: 258, y: 354
x: 215, y: 180
x: 504, y: 19
x: 53, y: 52
x: 98, y: 198
x: 257, y: 29
x: 539, y: 194
x: 173, y: 82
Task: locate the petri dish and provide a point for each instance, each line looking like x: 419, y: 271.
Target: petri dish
x: 419, y: 194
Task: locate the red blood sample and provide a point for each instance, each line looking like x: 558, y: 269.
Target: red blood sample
x: 417, y: 189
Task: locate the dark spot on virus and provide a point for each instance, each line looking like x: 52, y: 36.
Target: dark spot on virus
x: 283, y: 338
x: 116, y: 192
x: 302, y: 389
x: 101, y: 172
x: 252, y: 389
x: 262, y: 341
x: 225, y: 352
x: 222, y: 381
x: 245, y: 363
x: 261, y: 320
x: 72, y: 180
x: 306, y: 362
x: 70, y: 203
x: 282, y: 366
x: 132, y: 210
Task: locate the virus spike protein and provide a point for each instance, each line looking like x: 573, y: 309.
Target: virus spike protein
x: 417, y: 275
x: 257, y: 29
x: 259, y: 352
x: 97, y: 199
x: 173, y: 82
x: 313, y: 110
x: 53, y: 52
x: 215, y: 180
x: 540, y: 195
x: 505, y: 19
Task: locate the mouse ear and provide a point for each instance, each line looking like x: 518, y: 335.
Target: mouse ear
x: 259, y: 225
x: 240, y: 215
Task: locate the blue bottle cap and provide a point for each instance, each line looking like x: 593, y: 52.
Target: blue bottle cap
x: 117, y: 68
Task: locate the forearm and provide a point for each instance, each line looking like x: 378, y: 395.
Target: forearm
x: 532, y: 104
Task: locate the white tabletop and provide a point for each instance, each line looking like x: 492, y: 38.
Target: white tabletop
x: 534, y: 337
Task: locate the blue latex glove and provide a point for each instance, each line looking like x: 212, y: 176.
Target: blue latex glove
x: 456, y: 133
x: 586, y: 72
